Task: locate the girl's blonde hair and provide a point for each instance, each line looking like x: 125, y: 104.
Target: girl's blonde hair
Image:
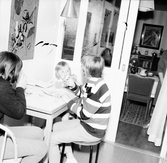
x: 61, y: 65
x: 94, y: 65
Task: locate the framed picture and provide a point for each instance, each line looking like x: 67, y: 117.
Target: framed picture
x: 151, y: 36
x: 22, y: 31
x: 105, y: 32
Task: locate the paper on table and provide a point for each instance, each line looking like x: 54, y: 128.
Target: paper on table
x: 39, y: 83
x: 64, y: 93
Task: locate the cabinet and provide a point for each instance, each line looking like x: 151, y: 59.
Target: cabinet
x: 145, y: 62
x: 148, y: 62
x: 155, y: 63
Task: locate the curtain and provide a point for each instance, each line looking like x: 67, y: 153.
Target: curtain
x: 158, y: 119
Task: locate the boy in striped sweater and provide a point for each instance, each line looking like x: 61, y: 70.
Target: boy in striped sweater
x: 92, y: 111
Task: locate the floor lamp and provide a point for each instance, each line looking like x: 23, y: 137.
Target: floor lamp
x: 69, y: 9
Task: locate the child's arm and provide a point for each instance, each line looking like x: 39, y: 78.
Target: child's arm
x: 73, y: 85
x: 90, y: 102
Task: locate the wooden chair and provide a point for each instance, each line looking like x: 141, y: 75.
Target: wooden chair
x: 139, y: 89
x: 90, y: 144
x: 8, y: 134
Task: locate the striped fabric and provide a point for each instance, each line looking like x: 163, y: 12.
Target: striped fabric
x: 94, y: 107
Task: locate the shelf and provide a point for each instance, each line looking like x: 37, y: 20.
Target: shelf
x: 148, y: 62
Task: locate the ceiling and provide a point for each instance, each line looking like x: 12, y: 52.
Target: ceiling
x: 159, y: 4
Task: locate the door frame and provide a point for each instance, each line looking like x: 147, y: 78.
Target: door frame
x: 121, y: 54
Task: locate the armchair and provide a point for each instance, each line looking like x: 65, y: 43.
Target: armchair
x: 139, y: 90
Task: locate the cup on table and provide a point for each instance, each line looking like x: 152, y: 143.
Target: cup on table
x: 57, y: 93
x: 58, y: 84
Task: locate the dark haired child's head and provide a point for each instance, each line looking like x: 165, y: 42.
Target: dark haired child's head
x: 62, y: 71
x: 92, y: 66
x: 10, y: 66
x: 107, y: 56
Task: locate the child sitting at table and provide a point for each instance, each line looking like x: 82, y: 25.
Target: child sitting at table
x: 31, y: 146
x: 92, y: 110
x: 62, y: 74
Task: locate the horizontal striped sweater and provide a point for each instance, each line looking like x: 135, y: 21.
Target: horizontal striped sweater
x: 93, y: 107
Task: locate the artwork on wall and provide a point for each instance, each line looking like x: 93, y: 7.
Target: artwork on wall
x: 105, y: 31
x: 86, y: 43
x: 93, y: 27
x: 109, y: 29
x: 23, y: 24
x: 151, y: 36
x: 70, y: 33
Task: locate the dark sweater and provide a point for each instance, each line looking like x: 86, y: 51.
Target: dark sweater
x: 12, y: 101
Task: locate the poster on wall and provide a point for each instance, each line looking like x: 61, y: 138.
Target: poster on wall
x: 22, y: 30
x: 93, y: 27
x: 151, y: 36
x: 105, y: 31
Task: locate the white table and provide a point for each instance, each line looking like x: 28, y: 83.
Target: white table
x: 42, y: 105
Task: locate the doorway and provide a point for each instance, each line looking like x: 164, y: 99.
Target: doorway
x: 132, y: 135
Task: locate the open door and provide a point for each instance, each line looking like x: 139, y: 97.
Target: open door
x: 120, y: 63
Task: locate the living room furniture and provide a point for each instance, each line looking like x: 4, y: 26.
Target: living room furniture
x: 154, y: 88
x: 139, y: 90
x: 149, y: 63
x: 42, y: 104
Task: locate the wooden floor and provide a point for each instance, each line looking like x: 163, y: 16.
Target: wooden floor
x: 131, y: 146
x: 136, y: 137
x: 117, y: 153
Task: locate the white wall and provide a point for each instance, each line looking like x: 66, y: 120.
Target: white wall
x: 42, y: 65
x: 4, y: 23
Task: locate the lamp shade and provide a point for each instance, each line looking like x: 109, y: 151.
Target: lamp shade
x: 69, y: 9
x: 146, y: 5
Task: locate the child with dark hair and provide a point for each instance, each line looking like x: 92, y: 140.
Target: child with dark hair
x: 107, y: 56
x: 31, y: 146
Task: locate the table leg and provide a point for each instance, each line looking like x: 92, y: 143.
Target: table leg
x: 47, y: 134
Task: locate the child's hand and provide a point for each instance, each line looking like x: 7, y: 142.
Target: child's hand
x: 70, y: 82
x: 22, y: 81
